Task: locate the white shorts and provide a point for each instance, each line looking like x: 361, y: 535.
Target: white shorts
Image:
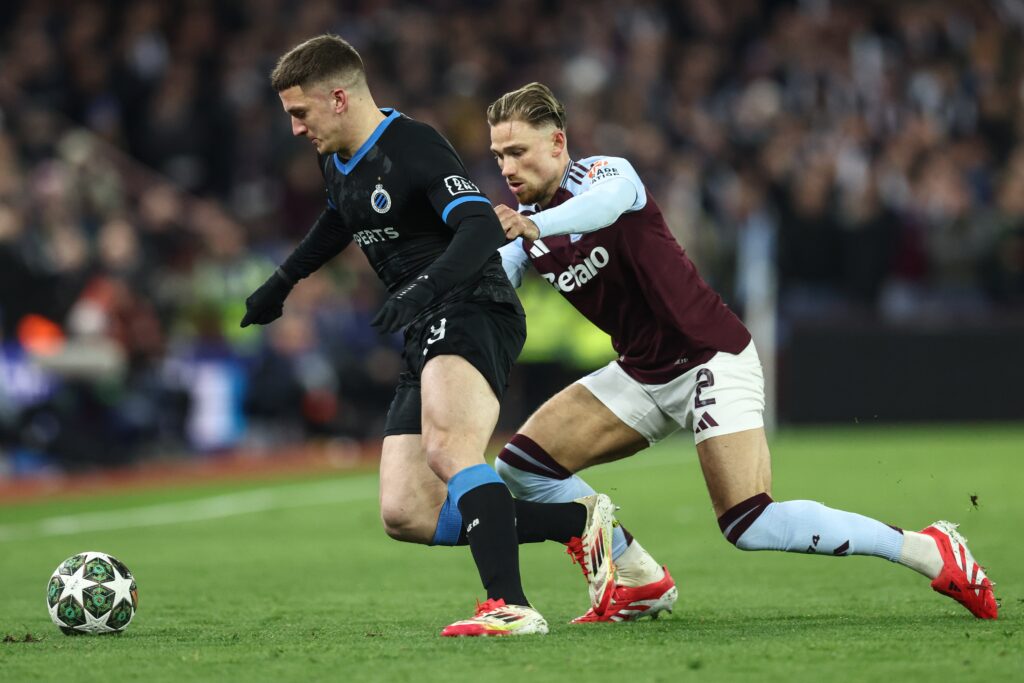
x: 723, y: 396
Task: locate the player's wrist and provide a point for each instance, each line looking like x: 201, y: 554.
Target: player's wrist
x: 531, y: 230
x: 285, y: 276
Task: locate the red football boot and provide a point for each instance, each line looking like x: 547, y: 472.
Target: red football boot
x: 961, y: 578
x: 495, y: 618
x: 630, y: 603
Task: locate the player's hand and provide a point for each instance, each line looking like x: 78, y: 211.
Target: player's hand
x: 404, y: 305
x: 516, y: 224
x: 266, y: 304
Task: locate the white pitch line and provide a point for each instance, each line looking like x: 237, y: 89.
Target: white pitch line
x: 347, y: 490
x: 213, y: 507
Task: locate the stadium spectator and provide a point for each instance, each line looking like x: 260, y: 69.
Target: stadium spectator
x: 887, y: 132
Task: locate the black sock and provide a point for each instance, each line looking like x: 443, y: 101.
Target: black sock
x: 536, y: 522
x: 539, y: 522
x: 489, y: 523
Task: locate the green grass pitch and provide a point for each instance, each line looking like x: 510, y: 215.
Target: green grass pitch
x: 295, y: 581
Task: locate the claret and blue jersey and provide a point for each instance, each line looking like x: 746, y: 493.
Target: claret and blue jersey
x: 632, y: 279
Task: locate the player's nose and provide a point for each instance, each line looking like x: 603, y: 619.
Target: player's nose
x: 508, y: 168
x: 298, y: 128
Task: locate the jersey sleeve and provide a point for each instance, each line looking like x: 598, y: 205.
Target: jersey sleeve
x: 460, y: 204
x: 514, y: 260
x: 446, y: 183
x: 611, y: 188
x: 326, y: 239
x: 592, y: 210
x: 604, y: 169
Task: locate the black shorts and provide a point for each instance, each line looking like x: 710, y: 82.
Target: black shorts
x: 489, y: 335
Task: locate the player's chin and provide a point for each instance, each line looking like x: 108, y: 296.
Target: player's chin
x: 523, y: 195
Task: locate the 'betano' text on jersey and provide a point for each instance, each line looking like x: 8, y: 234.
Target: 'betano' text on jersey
x: 394, y: 195
x: 634, y: 281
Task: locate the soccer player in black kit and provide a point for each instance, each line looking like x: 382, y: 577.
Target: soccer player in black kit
x: 398, y: 190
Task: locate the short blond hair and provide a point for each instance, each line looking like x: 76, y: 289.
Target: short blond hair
x: 534, y: 103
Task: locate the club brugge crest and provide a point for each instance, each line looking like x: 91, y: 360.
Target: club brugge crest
x: 380, y: 200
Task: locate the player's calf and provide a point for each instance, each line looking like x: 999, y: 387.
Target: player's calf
x: 804, y: 526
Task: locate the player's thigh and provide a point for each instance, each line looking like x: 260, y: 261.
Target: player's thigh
x: 411, y: 495
x: 736, y: 466
x: 458, y: 414
x: 578, y: 430
x: 722, y: 396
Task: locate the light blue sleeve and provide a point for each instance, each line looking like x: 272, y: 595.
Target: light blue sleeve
x: 598, y: 207
x: 607, y: 169
x: 514, y: 260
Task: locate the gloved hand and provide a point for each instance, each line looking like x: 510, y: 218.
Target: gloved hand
x: 266, y: 304
x: 402, y: 307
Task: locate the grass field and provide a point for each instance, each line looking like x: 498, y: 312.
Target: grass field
x: 295, y: 581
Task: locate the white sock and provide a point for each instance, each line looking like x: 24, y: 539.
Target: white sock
x: 539, y: 489
x: 921, y: 553
x: 636, y: 567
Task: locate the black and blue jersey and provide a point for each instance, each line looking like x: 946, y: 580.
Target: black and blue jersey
x: 405, y: 199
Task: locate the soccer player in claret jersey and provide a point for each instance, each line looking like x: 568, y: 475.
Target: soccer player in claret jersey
x: 398, y: 190
x: 592, y: 230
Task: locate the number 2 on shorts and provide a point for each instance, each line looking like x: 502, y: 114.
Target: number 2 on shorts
x: 705, y: 379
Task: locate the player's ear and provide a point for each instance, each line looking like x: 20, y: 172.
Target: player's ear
x: 557, y: 142
x: 339, y: 100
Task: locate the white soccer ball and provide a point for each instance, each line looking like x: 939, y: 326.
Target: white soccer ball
x: 91, y: 592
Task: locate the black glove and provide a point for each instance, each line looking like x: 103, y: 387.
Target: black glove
x: 402, y: 308
x: 266, y: 304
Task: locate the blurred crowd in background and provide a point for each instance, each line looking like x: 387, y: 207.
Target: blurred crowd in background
x: 149, y: 182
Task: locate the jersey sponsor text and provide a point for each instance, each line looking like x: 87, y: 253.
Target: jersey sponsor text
x: 374, y: 235
x: 579, y: 274
x: 458, y: 185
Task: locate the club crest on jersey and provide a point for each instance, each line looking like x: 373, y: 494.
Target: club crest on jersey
x: 456, y: 184
x: 380, y: 200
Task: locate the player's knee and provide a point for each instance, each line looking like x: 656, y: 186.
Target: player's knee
x: 401, y: 524
x: 735, y: 521
x: 517, y: 480
x: 444, y: 456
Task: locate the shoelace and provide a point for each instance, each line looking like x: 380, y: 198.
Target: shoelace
x: 488, y: 605
x: 574, y: 549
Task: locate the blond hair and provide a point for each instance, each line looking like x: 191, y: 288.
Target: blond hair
x: 533, y: 103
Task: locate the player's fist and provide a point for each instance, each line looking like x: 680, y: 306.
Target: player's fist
x: 266, y: 304
x: 515, y: 224
x: 403, y: 307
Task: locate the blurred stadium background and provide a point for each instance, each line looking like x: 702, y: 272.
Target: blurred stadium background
x: 850, y: 176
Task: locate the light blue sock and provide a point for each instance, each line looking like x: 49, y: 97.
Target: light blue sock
x: 540, y: 489
x: 803, y: 526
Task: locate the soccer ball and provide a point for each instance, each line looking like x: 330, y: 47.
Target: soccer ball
x: 91, y: 592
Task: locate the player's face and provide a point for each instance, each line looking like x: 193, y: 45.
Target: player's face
x: 314, y: 114
x: 531, y: 159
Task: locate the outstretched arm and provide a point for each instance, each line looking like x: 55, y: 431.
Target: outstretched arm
x: 614, y: 189
x: 597, y: 208
x: 326, y: 239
